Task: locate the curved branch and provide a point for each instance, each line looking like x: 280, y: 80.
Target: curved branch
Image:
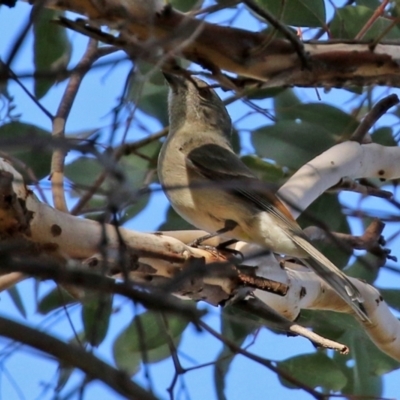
x: 349, y: 159
x: 73, y: 355
x: 216, y: 48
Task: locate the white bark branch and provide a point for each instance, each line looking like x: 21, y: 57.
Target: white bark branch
x: 79, y: 238
x: 345, y: 160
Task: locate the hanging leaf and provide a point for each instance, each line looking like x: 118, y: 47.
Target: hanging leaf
x: 56, y: 298
x: 147, y: 335
x: 24, y: 142
x: 313, y: 370
x: 348, y: 21
x: 51, y: 48
x: 297, y: 12
x: 96, y: 313
x: 17, y: 300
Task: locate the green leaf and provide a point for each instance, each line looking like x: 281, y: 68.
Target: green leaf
x: 17, y: 300
x: 174, y: 222
x: 96, y: 313
x: 297, y: 12
x: 291, y: 143
x: 56, y: 298
x: 83, y: 171
x: 146, y: 334
x: 338, y: 123
x: 360, y: 268
x: 185, y: 5
x: 137, y: 165
x: 348, y: 21
x: 384, y: 136
x: 131, y: 211
x: 51, y: 47
x: 369, y: 362
x: 284, y: 102
x: 24, y: 142
x: 266, y: 171
x: 328, y: 210
x: 259, y: 94
x: 149, y: 97
x: 392, y: 297
x: 314, y: 370
x: 373, y: 4
x: 364, y: 375
x: 235, y: 326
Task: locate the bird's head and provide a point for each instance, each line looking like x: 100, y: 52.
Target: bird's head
x: 193, y: 102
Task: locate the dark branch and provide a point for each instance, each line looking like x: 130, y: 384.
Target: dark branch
x: 379, y: 109
x: 74, y: 355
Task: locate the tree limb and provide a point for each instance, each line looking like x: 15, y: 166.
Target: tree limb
x: 73, y: 355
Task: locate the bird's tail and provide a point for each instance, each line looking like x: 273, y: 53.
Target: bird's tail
x: 333, y: 276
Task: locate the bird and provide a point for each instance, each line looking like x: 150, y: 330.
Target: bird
x: 209, y: 186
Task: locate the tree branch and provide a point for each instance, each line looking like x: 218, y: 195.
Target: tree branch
x: 73, y: 355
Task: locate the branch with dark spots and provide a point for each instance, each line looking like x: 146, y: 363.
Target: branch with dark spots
x: 12, y: 216
x: 50, y: 268
x: 278, y: 62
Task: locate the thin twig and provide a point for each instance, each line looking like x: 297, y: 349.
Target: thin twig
x: 59, y: 122
x: 347, y: 184
x: 377, y: 13
x: 278, y: 321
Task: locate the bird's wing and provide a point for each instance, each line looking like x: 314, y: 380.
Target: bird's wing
x: 222, y: 166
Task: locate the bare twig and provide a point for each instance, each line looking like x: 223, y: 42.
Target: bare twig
x: 51, y: 269
x: 379, y: 109
x: 76, y: 356
x: 357, y: 187
x: 377, y: 13
x: 59, y: 121
x: 371, y: 240
x: 277, y: 321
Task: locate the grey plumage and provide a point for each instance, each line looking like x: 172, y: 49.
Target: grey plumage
x: 208, y: 185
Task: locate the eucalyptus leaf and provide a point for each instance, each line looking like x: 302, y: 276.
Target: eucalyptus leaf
x: 291, y: 143
x: 392, y: 297
x: 327, y: 209
x: 144, y: 334
x: 24, y: 142
x: 149, y: 97
x: 51, y: 47
x: 174, y: 222
x: 56, y: 298
x: 310, y: 14
x: 96, y: 313
x: 349, y: 20
x: 17, y: 300
x: 314, y: 370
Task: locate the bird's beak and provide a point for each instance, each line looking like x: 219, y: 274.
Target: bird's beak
x: 174, y: 81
